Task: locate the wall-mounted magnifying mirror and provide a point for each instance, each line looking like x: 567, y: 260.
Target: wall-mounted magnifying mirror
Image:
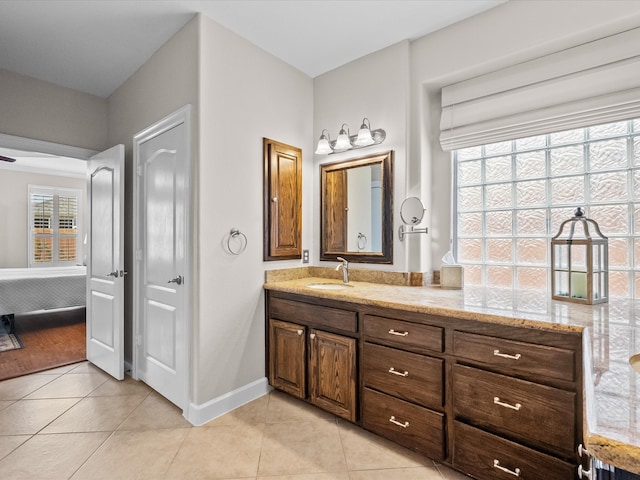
x: 411, y: 212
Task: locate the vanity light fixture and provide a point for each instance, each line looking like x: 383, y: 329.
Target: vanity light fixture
x: 346, y: 141
x: 343, y: 142
x: 324, y: 148
x: 364, y: 135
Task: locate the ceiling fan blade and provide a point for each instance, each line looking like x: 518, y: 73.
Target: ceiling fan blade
x: 7, y: 159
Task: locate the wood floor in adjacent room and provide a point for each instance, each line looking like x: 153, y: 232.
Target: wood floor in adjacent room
x: 50, y: 340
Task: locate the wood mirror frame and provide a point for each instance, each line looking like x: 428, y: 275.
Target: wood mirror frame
x: 334, y: 211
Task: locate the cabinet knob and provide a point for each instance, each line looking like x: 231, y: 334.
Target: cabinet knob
x: 299, y: 331
x: 312, y: 336
x: 582, y: 473
x: 274, y: 199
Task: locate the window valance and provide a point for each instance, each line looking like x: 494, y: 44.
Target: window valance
x: 596, y: 82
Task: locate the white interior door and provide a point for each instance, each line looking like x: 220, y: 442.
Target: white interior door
x: 105, y: 261
x: 162, y: 165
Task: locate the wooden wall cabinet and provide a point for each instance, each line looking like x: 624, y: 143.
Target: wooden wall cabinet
x: 282, y: 201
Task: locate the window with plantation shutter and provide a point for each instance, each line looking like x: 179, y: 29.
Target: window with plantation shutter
x: 54, y: 233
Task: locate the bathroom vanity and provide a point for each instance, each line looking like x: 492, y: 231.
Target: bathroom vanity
x: 495, y: 393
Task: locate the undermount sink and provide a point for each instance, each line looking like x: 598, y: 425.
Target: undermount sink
x: 634, y: 361
x: 329, y: 286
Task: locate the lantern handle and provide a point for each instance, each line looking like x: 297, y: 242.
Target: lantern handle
x: 578, y: 215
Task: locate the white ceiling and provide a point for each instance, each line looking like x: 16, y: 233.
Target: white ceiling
x: 94, y: 45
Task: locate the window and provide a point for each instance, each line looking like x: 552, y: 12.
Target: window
x: 54, y: 214
x: 512, y: 196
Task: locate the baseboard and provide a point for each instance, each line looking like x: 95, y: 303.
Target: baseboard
x: 201, y: 414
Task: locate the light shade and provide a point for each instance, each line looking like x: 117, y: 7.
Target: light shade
x: 342, y: 143
x: 364, y: 134
x: 324, y: 147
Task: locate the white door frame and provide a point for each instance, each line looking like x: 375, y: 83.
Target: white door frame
x: 180, y: 116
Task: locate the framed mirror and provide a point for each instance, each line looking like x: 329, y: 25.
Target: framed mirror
x: 356, y: 205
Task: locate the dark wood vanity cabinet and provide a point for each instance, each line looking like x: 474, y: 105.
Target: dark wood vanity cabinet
x: 516, y: 405
x: 493, y: 401
x: 310, y: 362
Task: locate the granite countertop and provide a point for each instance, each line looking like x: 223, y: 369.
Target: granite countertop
x: 611, y: 334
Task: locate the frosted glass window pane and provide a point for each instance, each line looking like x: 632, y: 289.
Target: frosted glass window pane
x: 636, y: 254
x: 498, y: 196
x: 532, y: 251
x: 618, y: 284
x: 636, y: 219
x: 531, y: 194
x: 499, y: 250
x: 559, y: 215
x: 529, y: 143
x: 567, y: 160
x: 637, y: 279
x: 472, y: 275
x: 531, y: 222
x: 470, y: 224
x: 612, y: 219
x: 532, y: 278
x: 636, y: 125
x: 531, y: 165
x: 608, y: 155
x: 568, y: 136
x: 636, y: 185
x: 469, y: 198
x: 636, y: 151
x: 608, y: 130
x: 609, y: 187
x: 499, y: 223
x: 469, y: 173
x: 618, y: 252
x: 569, y: 190
x: 470, y: 250
x: 500, y: 276
x: 469, y: 153
x: 497, y: 169
x: 497, y: 148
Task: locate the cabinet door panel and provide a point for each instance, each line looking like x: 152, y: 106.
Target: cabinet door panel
x: 529, y: 412
x: 287, y: 357
x: 412, y: 377
x: 333, y: 373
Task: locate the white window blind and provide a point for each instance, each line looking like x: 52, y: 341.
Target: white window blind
x: 54, y: 226
x: 590, y: 84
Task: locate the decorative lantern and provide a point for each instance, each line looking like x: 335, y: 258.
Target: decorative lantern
x: 580, y: 262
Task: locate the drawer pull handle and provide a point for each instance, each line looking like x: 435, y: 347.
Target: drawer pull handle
x: 400, y: 334
x: 396, y: 372
x: 582, y: 473
x: 515, y: 473
x: 497, y: 401
x: 400, y: 424
x: 506, y: 355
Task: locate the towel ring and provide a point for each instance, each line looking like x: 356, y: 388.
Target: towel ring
x: 362, y: 241
x: 235, y: 233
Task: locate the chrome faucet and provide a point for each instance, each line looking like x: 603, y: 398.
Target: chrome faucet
x: 345, y: 269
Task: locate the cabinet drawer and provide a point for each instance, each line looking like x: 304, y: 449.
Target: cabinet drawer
x: 398, y: 333
x: 529, y: 412
x: 319, y: 316
x: 409, y: 376
x: 487, y: 456
x: 406, y: 424
x: 519, y: 357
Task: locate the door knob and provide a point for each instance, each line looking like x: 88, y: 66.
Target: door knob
x: 177, y: 280
x: 123, y: 273
x: 114, y: 274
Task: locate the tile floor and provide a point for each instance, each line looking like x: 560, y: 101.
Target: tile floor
x: 76, y: 423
